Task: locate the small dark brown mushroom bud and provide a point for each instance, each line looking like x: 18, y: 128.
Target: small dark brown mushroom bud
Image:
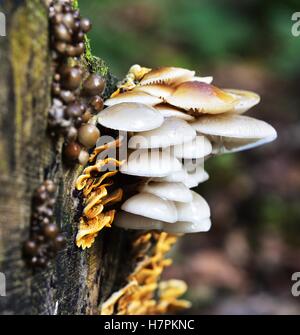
x: 72, y: 134
x: 87, y: 116
x: 71, y: 78
x: 30, y: 248
x: 57, y: 18
x: 33, y: 261
x: 85, y: 25
x: 72, y: 151
x: 97, y: 103
x: 74, y: 110
x: 55, y: 89
x: 61, y: 47
x: 83, y: 157
x: 62, y: 33
x: 88, y: 135
x: 56, y: 77
x: 67, y: 96
x: 41, y: 262
x: 50, y: 231
x: 59, y: 243
x: 79, y: 37
x: 78, y: 122
x: 45, y: 221
x: 50, y: 186
x: 93, y: 85
x: 68, y: 20
x: 79, y: 49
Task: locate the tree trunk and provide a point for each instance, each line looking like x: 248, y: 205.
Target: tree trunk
x: 76, y: 281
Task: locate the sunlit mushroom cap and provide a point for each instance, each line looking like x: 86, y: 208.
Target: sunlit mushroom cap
x: 151, y: 206
x: 193, y: 211
x: 173, y: 131
x: 170, y: 111
x: 167, y: 75
x: 202, y: 98
x: 130, y: 117
x: 199, y: 147
x: 244, y: 99
x: 185, y: 227
x: 133, y: 96
x: 207, y: 80
x: 232, y: 132
x: 168, y: 190
x: 156, y: 90
x: 154, y: 163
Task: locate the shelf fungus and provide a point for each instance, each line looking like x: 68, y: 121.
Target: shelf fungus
x: 144, y: 292
x: 173, y: 121
x: 98, y: 193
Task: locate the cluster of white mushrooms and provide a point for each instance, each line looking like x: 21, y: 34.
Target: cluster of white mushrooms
x: 176, y: 120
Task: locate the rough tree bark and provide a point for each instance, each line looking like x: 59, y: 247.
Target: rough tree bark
x: 77, y: 281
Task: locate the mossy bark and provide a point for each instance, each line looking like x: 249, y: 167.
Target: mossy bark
x: 76, y: 281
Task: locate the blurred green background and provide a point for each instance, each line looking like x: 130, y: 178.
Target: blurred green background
x: 244, y: 264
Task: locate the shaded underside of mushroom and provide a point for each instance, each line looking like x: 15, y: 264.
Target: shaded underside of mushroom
x: 171, y: 111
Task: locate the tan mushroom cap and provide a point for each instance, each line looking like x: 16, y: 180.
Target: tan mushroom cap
x: 168, y: 190
x: 171, y: 111
x: 193, y: 211
x: 202, y: 98
x: 151, y: 206
x: 167, y: 75
x: 153, y: 163
x: 199, y: 147
x: 133, y: 96
x: 156, y: 90
x: 173, y: 131
x: 130, y: 117
x: 244, y: 99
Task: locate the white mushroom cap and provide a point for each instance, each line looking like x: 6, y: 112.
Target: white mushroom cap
x: 130, y: 117
x: 199, y: 147
x: 167, y: 190
x: 185, y: 227
x: 153, y: 163
x: 167, y: 75
x: 132, y: 96
x: 196, y: 177
x: 173, y: 131
x: 193, y: 211
x: 202, y: 98
x: 131, y: 221
x: 170, y: 111
x: 232, y: 132
x: 244, y: 99
x: 156, y: 90
x: 176, y: 176
x: 151, y: 206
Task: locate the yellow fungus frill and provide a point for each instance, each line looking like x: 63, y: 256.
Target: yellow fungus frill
x: 94, y: 184
x: 143, y: 293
